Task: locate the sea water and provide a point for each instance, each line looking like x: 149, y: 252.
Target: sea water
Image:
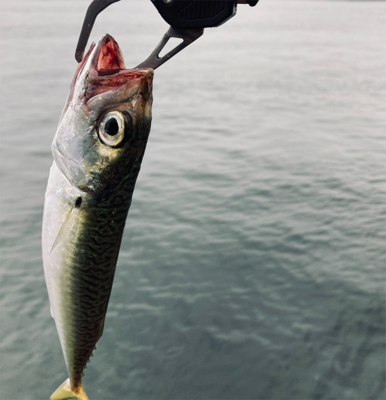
x: 253, y: 260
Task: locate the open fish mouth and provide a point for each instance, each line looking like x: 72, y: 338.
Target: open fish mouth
x: 102, y: 59
x: 110, y: 59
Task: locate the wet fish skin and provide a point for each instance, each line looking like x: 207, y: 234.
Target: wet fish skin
x: 88, y: 196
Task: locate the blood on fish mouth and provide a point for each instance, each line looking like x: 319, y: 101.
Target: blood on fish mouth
x: 110, y: 58
x: 106, y: 71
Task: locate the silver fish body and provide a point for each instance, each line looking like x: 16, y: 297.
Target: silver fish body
x: 97, y: 149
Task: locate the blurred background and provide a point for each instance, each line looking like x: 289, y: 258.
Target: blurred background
x: 253, y: 260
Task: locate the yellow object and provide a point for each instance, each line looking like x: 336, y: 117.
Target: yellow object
x: 64, y: 392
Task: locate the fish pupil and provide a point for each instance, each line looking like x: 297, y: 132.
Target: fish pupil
x: 111, y: 127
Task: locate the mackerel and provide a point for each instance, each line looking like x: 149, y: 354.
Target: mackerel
x: 98, y: 150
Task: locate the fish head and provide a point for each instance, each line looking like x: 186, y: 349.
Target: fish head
x: 105, y: 124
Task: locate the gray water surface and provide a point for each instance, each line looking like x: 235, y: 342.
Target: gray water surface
x: 253, y: 260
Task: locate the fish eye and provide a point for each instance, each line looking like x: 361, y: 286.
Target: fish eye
x: 112, y: 129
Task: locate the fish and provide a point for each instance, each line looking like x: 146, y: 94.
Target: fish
x: 97, y: 150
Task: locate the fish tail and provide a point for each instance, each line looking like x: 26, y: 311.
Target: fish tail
x: 64, y: 391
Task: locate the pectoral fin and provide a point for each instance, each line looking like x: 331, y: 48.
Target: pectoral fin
x: 68, y: 225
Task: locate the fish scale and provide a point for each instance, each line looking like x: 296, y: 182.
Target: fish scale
x: 92, y: 272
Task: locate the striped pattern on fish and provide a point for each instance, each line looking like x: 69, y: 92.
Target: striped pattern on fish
x: 98, y: 150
